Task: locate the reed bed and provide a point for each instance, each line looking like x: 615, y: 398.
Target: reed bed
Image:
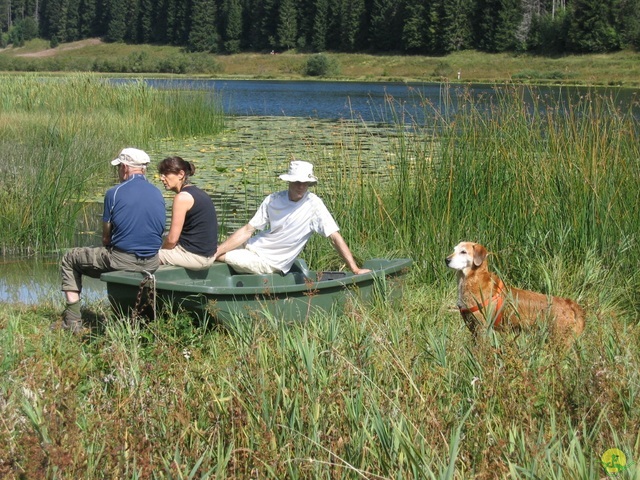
x: 556, y: 179
x: 56, y: 137
x: 397, y: 389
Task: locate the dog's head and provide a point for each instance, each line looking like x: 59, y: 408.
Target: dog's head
x: 466, y: 255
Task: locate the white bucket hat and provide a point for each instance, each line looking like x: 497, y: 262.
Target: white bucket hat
x: 299, y: 171
x: 133, y: 157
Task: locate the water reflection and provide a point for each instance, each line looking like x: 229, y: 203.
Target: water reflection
x: 37, y: 280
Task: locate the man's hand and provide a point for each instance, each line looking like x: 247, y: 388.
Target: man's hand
x: 360, y: 271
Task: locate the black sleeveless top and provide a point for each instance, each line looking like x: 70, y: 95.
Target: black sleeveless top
x: 200, y: 231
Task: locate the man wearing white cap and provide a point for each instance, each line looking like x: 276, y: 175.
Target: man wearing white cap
x: 291, y: 217
x: 132, y: 228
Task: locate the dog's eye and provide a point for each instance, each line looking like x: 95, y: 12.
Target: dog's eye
x: 463, y: 252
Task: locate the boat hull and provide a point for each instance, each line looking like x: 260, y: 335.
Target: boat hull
x: 220, y: 294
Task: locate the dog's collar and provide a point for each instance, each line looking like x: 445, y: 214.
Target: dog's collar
x: 498, y: 298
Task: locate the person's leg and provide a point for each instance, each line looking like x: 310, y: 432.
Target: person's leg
x: 74, y: 264
x: 180, y: 257
x: 246, y: 261
x: 128, y: 262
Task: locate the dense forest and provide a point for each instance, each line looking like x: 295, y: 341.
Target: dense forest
x: 426, y: 27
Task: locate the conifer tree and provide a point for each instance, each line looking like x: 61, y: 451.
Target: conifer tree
x: 287, y: 24
x: 352, y: 11
x: 116, y: 20
x: 182, y: 19
x: 628, y: 23
x: 253, y: 15
x: 56, y: 20
x: 132, y: 33
x: 147, y: 9
x: 320, y: 25
x: 384, y: 34
x: 509, y: 19
x: 72, y: 27
x: 268, y: 23
x: 169, y: 15
x: 591, y: 27
x: 415, y: 27
x: 496, y: 24
x: 456, y: 31
x: 161, y: 18
x: 232, y: 12
x: 203, y: 34
x: 434, y: 39
x: 87, y: 21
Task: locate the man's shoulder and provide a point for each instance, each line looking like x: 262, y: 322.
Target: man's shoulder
x: 314, y: 199
x: 276, y: 197
x: 280, y: 194
x: 135, y: 186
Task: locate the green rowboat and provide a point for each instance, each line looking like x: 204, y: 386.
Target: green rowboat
x: 224, y: 295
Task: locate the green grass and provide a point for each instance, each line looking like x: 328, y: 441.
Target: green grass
x: 389, y: 390
x: 385, y: 392
x: 620, y: 68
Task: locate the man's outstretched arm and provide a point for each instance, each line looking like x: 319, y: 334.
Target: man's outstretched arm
x: 237, y: 238
x: 341, y: 247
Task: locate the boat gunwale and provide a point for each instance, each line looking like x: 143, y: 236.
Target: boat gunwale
x: 394, y: 267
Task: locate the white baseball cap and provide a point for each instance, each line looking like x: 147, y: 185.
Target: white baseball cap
x: 133, y: 157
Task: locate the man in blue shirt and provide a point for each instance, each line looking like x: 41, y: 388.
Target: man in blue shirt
x: 133, y: 224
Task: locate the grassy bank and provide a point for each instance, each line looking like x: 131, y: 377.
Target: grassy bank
x: 394, y: 391
x: 622, y: 68
x: 390, y: 390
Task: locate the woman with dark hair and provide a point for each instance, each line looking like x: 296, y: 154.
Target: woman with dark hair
x: 193, y: 236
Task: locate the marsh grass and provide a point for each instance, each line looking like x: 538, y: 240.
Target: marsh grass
x: 555, y: 179
x: 57, y: 135
x: 396, y: 389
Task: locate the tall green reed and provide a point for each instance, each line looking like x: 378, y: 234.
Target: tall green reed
x: 520, y: 173
x: 57, y: 135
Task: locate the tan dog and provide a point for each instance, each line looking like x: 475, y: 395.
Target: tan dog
x: 484, y: 300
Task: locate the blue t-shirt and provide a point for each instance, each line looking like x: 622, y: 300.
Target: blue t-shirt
x: 136, y: 210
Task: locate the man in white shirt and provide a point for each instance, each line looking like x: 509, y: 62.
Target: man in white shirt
x: 291, y: 216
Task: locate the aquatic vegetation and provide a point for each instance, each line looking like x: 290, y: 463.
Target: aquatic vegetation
x: 56, y: 137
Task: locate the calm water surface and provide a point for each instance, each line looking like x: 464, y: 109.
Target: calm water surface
x: 34, y: 280
x: 370, y: 101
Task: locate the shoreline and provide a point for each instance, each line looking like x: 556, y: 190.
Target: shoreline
x: 619, y: 69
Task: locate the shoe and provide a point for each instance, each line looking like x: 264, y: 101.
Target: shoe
x: 72, y: 322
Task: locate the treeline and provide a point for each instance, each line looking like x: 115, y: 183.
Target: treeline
x: 427, y: 27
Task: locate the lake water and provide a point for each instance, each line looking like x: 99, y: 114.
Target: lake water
x: 371, y: 101
x: 34, y: 280
x: 317, y: 99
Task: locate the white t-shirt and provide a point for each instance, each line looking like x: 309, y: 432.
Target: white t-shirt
x: 290, y: 225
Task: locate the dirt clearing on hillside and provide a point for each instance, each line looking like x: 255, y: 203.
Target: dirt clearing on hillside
x: 50, y: 52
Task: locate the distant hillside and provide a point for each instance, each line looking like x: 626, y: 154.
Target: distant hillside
x: 94, y: 55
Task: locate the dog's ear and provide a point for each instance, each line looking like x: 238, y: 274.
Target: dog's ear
x: 479, y: 254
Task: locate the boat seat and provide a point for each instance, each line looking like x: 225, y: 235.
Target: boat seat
x: 300, y: 266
